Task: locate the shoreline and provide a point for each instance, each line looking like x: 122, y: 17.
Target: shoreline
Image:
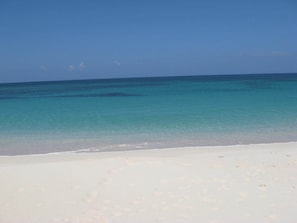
x: 239, y: 183
x: 119, y: 148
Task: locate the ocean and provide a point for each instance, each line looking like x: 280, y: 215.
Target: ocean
x: 147, y: 113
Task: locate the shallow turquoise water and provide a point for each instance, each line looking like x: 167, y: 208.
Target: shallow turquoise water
x: 145, y: 113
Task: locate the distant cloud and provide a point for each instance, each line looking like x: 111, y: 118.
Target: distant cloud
x: 44, y: 68
x: 279, y: 53
x: 270, y: 54
x: 70, y: 67
x: 117, y: 63
x: 81, y: 65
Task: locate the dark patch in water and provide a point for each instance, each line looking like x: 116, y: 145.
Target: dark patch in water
x: 55, y: 90
x: 112, y: 94
x: 258, y: 85
x: 118, y: 94
x: 8, y: 98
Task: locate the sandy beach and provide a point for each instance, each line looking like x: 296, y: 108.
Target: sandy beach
x: 244, y: 183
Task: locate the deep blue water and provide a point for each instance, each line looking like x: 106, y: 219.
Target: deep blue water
x: 143, y: 113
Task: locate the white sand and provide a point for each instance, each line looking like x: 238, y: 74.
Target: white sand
x: 252, y: 183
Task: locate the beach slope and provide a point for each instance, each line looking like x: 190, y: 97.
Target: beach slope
x: 244, y: 183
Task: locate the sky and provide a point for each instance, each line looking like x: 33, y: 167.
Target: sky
x: 83, y: 39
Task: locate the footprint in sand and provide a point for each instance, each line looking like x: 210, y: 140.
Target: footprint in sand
x: 185, y: 164
x: 262, y: 187
x: 243, y: 194
x: 158, y: 193
x: 115, y: 170
x: 215, y: 209
x: 90, y: 197
x: 272, y: 217
x: 76, y: 187
x: 20, y: 189
x: 105, y: 181
x: 130, y: 161
x: 117, y: 214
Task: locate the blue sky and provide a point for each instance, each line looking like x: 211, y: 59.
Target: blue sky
x: 56, y: 40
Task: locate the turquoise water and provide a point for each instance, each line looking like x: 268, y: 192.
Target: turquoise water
x: 142, y: 113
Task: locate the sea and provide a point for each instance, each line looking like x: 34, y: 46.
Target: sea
x: 147, y: 113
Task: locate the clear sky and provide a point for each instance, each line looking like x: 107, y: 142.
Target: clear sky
x: 59, y: 39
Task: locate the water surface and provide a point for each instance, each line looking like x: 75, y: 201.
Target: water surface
x: 143, y: 113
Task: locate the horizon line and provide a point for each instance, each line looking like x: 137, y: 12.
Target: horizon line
x: 142, y: 77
